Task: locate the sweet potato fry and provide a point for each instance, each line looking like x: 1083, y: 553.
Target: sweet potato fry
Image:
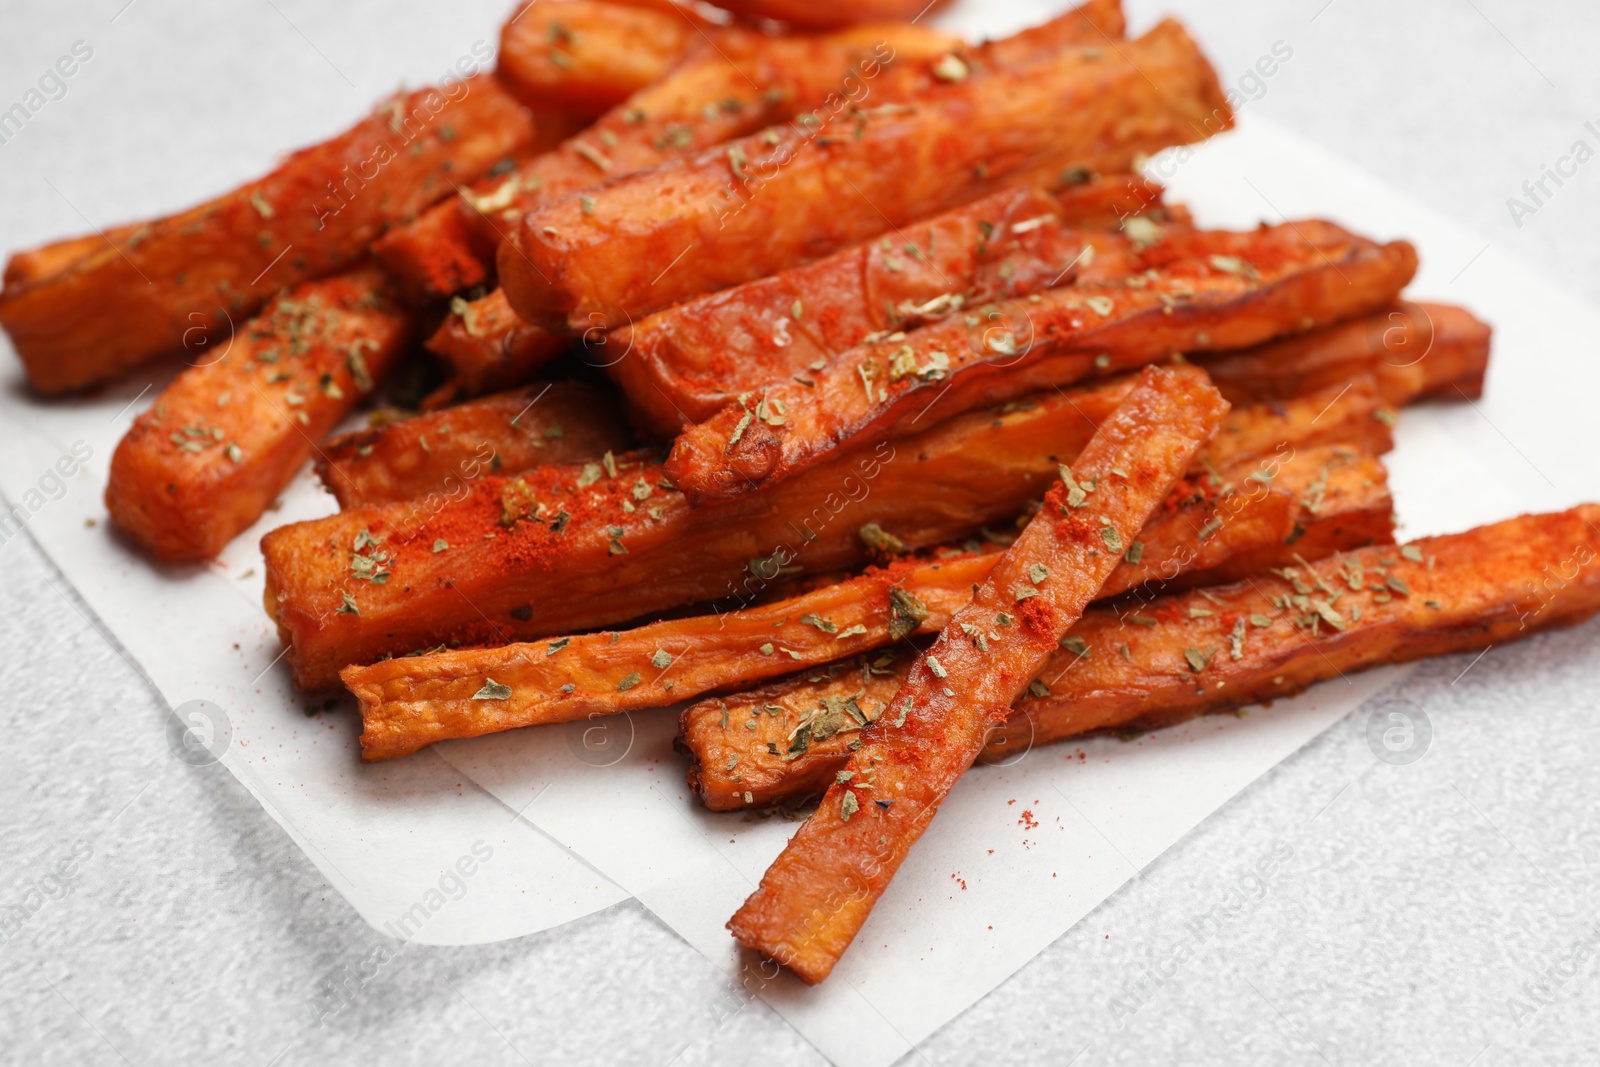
x: 1187, y: 654
x: 204, y: 461
x: 736, y: 82
x: 116, y: 305
x: 1351, y: 510
x: 940, y: 486
x: 489, y: 348
x: 411, y: 702
x: 444, y: 451
x: 817, y: 894
x: 722, y: 217
x: 590, y: 55
x: 686, y: 363
x: 1202, y: 291
x: 1412, y: 350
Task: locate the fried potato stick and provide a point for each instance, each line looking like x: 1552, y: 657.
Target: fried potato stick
x: 172, y: 280
x: 203, y: 462
x: 765, y: 202
x: 1201, y: 291
x: 1193, y: 653
x: 685, y: 363
x: 631, y: 545
x: 444, y: 451
x: 590, y: 55
x: 816, y: 896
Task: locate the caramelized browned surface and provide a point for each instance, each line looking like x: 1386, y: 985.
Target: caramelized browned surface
x: 687, y: 362
x: 1197, y: 291
x: 765, y: 202
x: 204, y: 461
x: 208, y: 269
x: 441, y: 453
x: 817, y: 894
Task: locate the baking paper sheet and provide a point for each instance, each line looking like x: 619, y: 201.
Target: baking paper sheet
x: 1066, y: 825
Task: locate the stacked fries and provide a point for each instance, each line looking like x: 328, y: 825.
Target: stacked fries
x: 929, y: 429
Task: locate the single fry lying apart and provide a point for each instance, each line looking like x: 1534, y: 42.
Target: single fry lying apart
x: 410, y: 702
x: 204, y: 461
x: 590, y: 55
x: 816, y: 896
x: 203, y: 272
x: 1411, y: 350
x: 439, y: 454
x: 748, y: 750
x: 765, y: 202
x: 1198, y: 291
x: 686, y: 363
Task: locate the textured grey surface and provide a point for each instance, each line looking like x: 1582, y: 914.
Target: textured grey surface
x: 1423, y: 914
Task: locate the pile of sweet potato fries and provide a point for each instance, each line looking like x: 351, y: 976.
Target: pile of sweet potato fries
x: 842, y: 379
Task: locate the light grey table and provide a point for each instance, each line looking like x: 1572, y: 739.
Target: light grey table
x: 1428, y: 913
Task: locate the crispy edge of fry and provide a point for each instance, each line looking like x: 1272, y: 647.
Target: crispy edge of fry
x: 204, y: 461
x: 1357, y: 510
x: 816, y: 896
x: 1210, y: 295
x: 218, y: 262
x: 573, y: 264
x: 440, y: 453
